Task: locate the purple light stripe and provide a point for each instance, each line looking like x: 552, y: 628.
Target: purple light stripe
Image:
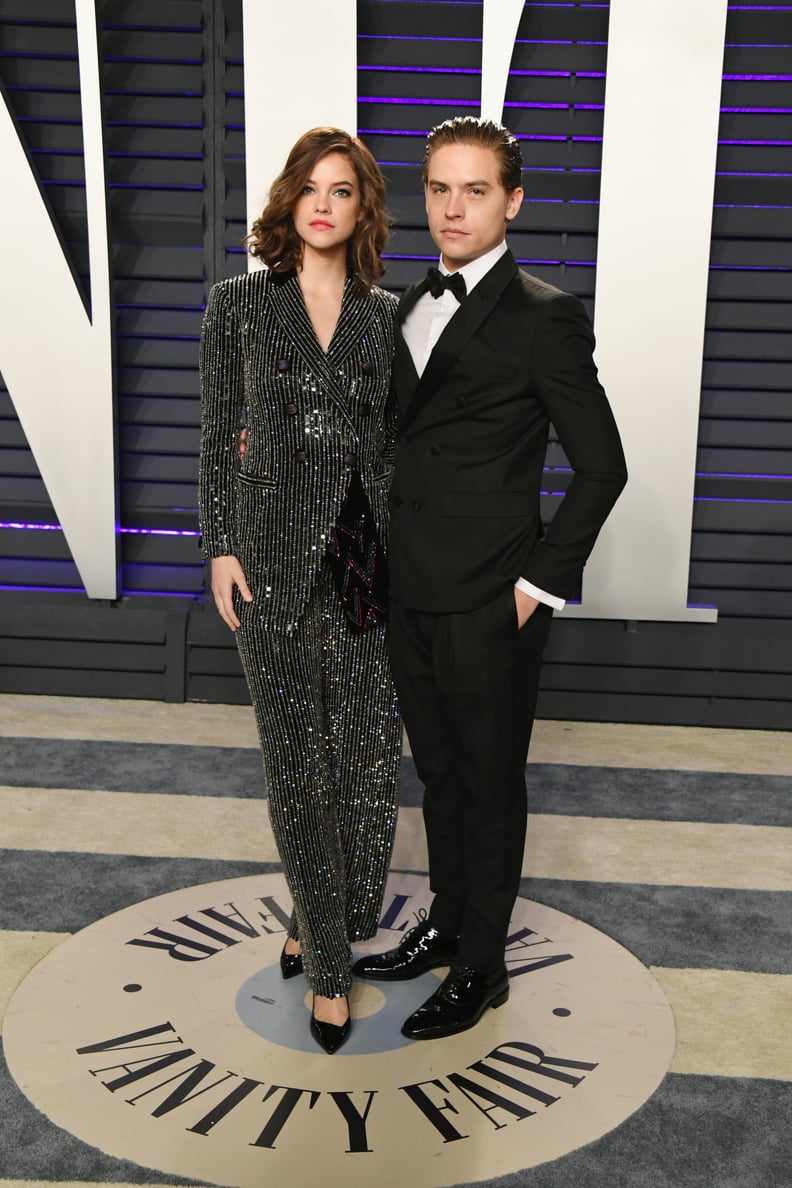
x: 37, y: 527
x: 39, y: 152
x: 11, y: 524
x: 153, y: 61
x: 727, y: 474
x: 419, y: 69
x: 750, y: 206
x: 451, y: 70
x: 39, y: 57
x: 756, y: 110
x: 545, y: 106
x: 159, y: 532
x: 47, y: 589
x: 746, y: 268
x: 422, y: 133
x: 141, y: 186
x: 419, y: 102
x: 153, y: 28
x: 723, y: 499
x: 404, y: 37
x: 70, y: 123
x: 748, y: 173
x: 125, y: 593
x: 157, y: 94
x: 141, y: 124
x: 760, y: 143
x: 757, y: 78
x: 111, y: 25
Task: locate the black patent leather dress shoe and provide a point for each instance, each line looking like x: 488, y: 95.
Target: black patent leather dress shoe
x: 423, y: 948
x: 457, y: 1004
x: 291, y: 964
x: 330, y: 1036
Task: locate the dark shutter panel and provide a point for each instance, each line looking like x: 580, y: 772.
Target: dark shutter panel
x: 175, y: 141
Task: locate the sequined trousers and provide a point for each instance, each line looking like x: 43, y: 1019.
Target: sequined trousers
x: 331, y: 744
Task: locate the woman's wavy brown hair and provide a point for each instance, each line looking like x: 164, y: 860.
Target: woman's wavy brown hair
x: 273, y: 237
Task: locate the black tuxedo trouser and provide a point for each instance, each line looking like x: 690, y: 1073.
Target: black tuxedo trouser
x: 467, y: 684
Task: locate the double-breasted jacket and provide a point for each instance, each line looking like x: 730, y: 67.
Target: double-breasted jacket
x: 311, y: 417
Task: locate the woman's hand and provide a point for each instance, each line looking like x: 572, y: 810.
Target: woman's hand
x: 227, y: 573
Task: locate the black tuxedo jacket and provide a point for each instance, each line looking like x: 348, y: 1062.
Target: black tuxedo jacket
x: 473, y: 432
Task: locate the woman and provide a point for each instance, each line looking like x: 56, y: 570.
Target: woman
x: 304, y: 349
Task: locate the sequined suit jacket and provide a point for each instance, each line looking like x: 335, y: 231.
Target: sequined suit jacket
x: 473, y: 432
x: 310, y: 418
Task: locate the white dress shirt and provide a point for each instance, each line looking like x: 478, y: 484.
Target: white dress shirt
x: 423, y: 326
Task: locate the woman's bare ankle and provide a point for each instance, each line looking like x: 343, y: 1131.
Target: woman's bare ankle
x: 331, y: 1010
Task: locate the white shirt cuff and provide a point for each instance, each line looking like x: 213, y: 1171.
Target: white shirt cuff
x: 540, y: 595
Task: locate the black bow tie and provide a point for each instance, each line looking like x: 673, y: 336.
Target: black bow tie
x: 438, y: 282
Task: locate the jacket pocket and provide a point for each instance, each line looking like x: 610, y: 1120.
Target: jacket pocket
x: 260, y: 481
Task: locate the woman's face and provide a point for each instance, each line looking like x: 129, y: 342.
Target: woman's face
x: 329, y: 207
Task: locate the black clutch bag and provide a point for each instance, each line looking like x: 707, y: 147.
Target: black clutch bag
x: 357, y: 560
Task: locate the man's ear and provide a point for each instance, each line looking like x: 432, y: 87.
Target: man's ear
x: 514, y: 202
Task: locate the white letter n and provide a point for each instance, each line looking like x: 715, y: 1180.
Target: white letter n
x: 56, y: 361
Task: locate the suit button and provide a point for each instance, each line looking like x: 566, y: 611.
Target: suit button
x: 299, y: 455
x: 367, y: 367
x: 396, y: 500
x: 364, y: 409
x: 350, y: 459
x: 434, y: 449
x: 291, y: 410
x: 283, y: 365
x: 416, y: 505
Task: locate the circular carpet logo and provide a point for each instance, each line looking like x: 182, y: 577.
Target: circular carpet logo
x: 164, y: 1034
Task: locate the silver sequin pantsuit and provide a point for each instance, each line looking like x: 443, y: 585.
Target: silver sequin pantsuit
x: 330, y: 739
x: 322, y: 693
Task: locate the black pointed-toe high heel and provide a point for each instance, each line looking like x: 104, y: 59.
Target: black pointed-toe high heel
x: 330, y: 1036
x: 291, y: 964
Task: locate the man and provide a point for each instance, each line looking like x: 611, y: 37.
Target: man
x: 480, y: 372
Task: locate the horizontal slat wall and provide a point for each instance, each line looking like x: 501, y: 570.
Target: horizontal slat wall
x: 174, y: 100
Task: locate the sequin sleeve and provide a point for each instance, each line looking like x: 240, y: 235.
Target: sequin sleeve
x: 222, y: 399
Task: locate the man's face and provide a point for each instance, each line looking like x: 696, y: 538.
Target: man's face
x: 466, y: 204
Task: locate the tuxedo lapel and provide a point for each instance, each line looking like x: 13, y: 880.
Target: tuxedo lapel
x: 477, y: 306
